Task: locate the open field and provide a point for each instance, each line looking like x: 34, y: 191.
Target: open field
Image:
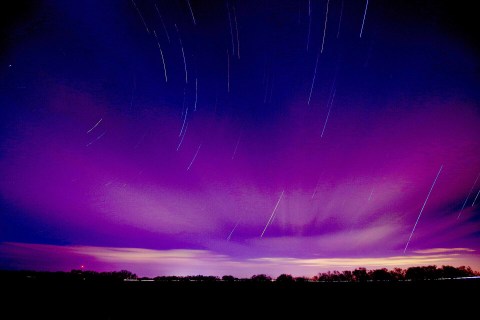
x: 28, y: 298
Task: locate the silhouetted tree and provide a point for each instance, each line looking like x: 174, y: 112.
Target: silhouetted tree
x: 261, y: 278
x: 285, y: 278
x: 398, y: 274
x: 325, y: 276
x: 432, y: 273
x: 124, y: 274
x: 380, y: 275
x: 467, y: 271
x: 415, y: 274
x: 347, y: 276
x: 229, y: 278
x: 301, y: 279
x: 201, y: 278
x: 423, y: 273
x: 450, y: 272
x: 336, y: 276
x: 360, y: 275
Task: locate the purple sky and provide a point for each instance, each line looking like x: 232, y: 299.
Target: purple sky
x: 100, y: 169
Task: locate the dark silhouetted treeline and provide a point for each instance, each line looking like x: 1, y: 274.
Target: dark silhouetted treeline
x: 357, y: 275
x: 73, y: 275
x: 84, y: 295
x: 397, y: 274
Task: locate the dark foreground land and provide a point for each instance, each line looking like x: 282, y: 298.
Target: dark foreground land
x: 30, y: 298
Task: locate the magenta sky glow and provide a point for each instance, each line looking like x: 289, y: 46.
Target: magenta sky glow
x: 117, y: 194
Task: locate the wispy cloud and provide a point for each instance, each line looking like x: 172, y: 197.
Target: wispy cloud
x: 350, y: 263
x: 366, y: 203
x: 443, y: 250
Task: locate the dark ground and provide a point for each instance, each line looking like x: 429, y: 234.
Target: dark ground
x: 76, y: 299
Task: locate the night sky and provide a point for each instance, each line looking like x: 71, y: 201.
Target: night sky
x: 239, y: 137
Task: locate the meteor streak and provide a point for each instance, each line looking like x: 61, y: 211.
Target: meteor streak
x: 423, y: 207
x: 273, y: 214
